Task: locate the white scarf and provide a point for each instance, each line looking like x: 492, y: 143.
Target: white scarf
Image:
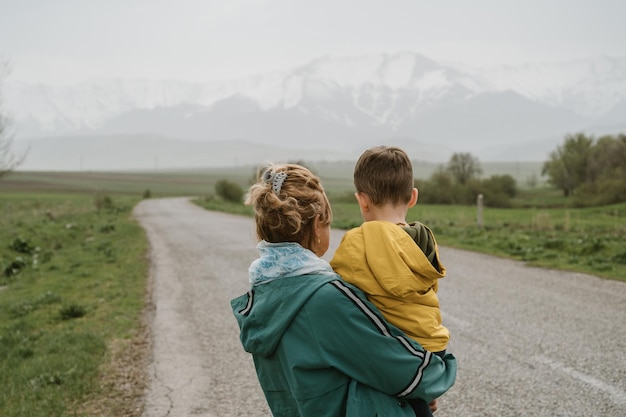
x: 285, y: 259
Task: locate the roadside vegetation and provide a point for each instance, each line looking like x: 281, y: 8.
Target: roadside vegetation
x: 73, y: 269
x: 589, y: 240
x: 575, y: 221
x: 72, y: 289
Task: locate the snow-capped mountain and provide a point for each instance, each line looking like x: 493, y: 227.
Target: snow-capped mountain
x: 344, y: 103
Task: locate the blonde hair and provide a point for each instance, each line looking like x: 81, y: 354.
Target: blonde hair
x: 385, y: 175
x: 288, y: 215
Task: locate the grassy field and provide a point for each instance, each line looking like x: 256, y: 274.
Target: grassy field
x: 337, y: 178
x: 158, y: 184
x: 72, y: 286
x: 73, y: 271
x: 539, y: 230
x: 589, y: 240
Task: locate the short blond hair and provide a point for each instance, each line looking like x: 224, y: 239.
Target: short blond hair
x: 288, y: 215
x: 385, y: 175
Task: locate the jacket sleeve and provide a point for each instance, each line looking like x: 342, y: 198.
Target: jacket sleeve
x: 353, y: 337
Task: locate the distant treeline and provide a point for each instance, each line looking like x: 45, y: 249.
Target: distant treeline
x: 458, y: 182
x: 591, y: 171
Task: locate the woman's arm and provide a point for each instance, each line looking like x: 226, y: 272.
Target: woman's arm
x: 354, y: 338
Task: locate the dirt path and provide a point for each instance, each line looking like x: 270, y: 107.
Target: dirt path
x: 529, y: 341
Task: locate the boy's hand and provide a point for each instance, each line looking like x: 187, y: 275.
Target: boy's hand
x: 433, y: 405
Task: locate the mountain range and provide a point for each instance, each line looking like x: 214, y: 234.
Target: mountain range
x: 330, y: 108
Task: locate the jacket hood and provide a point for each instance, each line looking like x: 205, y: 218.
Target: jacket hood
x: 283, y: 278
x: 267, y: 310
x: 382, y: 251
x: 399, y: 271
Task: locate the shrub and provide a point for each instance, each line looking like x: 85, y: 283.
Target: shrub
x: 22, y: 246
x: 229, y: 191
x: 72, y: 311
x: 497, y: 199
x: 504, y: 184
x: 603, y: 192
x: 439, y: 189
x: 14, y: 267
x: 620, y: 258
x: 103, y: 202
x: 498, y: 190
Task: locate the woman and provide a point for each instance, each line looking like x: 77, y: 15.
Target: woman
x: 319, y: 347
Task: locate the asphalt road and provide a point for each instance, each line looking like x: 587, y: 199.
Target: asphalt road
x: 529, y: 341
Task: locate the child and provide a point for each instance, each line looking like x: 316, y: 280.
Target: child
x: 395, y: 263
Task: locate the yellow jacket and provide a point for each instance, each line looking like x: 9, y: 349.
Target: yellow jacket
x: 384, y: 261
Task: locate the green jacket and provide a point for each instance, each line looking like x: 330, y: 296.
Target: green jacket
x: 321, y: 349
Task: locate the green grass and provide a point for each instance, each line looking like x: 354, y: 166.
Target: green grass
x: 160, y: 184
x: 72, y: 281
x: 589, y: 240
x: 540, y: 212
x: 336, y: 176
x: 72, y: 267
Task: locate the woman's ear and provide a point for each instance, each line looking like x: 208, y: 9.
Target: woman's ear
x: 316, y: 227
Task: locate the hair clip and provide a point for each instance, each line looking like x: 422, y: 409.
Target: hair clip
x: 275, y: 178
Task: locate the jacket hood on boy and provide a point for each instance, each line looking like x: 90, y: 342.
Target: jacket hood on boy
x: 399, y: 270
x: 384, y: 253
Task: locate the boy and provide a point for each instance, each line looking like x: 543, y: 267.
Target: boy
x: 395, y: 263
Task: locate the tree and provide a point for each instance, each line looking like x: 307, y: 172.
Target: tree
x: 8, y: 160
x: 606, y: 173
x: 464, y: 166
x: 607, y: 158
x: 567, y: 167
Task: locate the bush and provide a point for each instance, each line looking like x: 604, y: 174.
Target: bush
x: 603, y: 192
x: 23, y: 246
x: 14, y: 267
x: 229, y: 191
x: 504, y: 184
x: 102, y: 202
x: 72, y: 311
x: 441, y: 188
x: 497, y: 199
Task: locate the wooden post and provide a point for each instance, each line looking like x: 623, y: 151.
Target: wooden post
x: 479, y: 213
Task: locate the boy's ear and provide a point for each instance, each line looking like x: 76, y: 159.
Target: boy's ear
x: 414, y: 196
x: 363, y: 200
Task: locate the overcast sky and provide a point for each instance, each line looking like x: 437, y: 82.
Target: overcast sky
x: 203, y: 40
